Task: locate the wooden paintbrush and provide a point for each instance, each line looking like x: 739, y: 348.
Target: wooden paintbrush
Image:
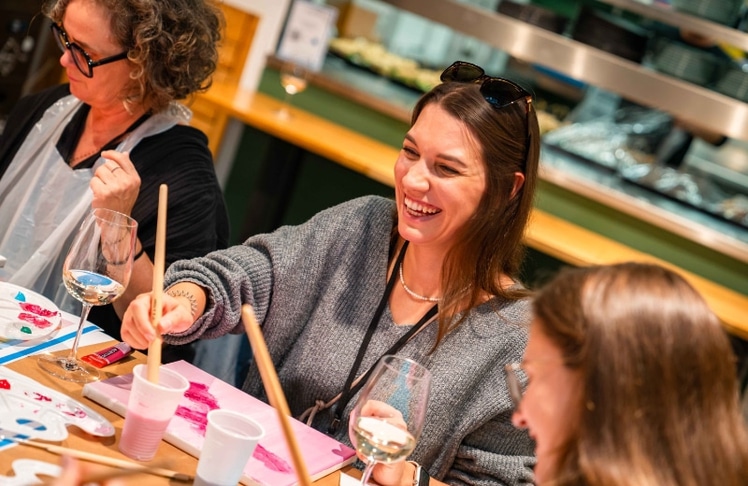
x: 127, y: 466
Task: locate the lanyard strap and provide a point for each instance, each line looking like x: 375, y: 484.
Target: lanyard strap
x: 349, y: 389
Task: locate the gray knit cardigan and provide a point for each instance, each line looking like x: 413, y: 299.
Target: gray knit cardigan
x: 315, y: 287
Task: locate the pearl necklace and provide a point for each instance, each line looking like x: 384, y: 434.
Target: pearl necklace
x: 413, y: 294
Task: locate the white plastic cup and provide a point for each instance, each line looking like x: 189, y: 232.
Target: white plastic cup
x: 149, y: 410
x: 230, y: 440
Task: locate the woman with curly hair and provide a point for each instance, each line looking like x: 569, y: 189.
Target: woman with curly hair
x: 631, y: 382
x: 109, y: 138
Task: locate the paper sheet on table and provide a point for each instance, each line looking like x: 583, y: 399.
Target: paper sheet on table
x: 346, y: 480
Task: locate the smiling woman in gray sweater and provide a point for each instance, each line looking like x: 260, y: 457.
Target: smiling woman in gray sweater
x: 442, y: 258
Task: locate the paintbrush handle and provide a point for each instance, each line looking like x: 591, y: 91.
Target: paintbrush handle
x: 100, y: 477
x: 108, y: 461
x: 154, y: 349
x: 273, y: 390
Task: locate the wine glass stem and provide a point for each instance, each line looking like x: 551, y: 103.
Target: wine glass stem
x: 286, y: 103
x: 367, y: 472
x: 84, y: 315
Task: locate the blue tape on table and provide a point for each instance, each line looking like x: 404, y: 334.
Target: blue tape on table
x: 46, y: 344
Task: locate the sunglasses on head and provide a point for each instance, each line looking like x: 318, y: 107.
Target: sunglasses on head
x: 499, y: 92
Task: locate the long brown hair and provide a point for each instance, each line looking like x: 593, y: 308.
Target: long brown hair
x: 660, y: 401
x: 490, y: 244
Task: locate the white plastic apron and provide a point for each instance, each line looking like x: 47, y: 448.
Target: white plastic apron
x: 43, y: 200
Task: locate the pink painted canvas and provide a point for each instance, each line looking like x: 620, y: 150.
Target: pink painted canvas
x: 270, y: 464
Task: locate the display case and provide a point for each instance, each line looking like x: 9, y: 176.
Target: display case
x: 478, y: 31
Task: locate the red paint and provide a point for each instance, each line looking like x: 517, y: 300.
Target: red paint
x: 75, y: 413
x: 38, y: 396
x: 38, y: 310
x: 37, y: 321
x: 4, y: 384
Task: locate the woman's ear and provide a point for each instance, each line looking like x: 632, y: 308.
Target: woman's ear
x: 519, y: 180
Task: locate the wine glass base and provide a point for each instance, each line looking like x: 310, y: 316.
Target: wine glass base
x: 283, y: 113
x: 68, y: 369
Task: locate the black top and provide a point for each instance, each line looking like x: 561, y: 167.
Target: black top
x: 197, y: 221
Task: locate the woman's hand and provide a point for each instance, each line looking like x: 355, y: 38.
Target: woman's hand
x: 75, y: 473
x: 398, y: 473
x: 137, y: 330
x: 115, y: 183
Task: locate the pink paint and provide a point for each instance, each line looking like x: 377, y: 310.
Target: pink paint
x: 201, y: 402
x: 38, y: 310
x: 271, y: 461
x: 38, y: 396
x: 197, y: 419
x: 198, y: 393
x: 37, y: 321
x: 75, y: 413
x: 141, y: 436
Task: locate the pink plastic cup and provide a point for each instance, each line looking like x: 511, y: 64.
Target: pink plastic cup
x: 149, y: 410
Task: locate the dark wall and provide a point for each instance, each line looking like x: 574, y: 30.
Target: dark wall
x: 29, y: 60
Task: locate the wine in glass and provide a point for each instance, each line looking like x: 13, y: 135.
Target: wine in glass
x: 293, y: 78
x: 388, y: 417
x: 96, y: 272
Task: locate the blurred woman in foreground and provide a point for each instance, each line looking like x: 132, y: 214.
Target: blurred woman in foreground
x: 631, y: 381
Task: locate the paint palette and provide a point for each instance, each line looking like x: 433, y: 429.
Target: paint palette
x: 30, y: 409
x: 27, y: 471
x: 26, y: 315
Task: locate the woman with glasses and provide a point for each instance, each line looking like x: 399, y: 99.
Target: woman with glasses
x: 108, y: 138
x: 630, y: 381
x: 430, y: 275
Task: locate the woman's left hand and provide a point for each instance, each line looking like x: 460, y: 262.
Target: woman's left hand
x: 75, y: 473
x: 115, y: 183
x: 397, y: 473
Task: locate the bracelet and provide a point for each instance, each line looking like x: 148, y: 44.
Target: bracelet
x: 139, y: 254
x: 187, y: 295
x: 421, y: 477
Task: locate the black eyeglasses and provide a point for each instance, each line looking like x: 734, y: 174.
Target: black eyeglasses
x: 81, y: 59
x: 499, y: 92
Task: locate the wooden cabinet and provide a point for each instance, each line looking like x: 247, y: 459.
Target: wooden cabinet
x: 235, y: 44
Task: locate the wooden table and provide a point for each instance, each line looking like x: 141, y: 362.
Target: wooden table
x: 177, y: 459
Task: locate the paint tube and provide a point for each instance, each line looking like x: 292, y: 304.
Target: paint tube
x: 108, y: 356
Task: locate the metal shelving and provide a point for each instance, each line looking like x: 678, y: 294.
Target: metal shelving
x: 670, y: 16
x: 689, y: 102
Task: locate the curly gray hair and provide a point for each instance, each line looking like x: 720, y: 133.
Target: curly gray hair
x: 173, y: 44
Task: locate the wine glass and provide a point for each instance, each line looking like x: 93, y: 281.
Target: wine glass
x: 388, y: 417
x: 293, y: 78
x: 96, y: 271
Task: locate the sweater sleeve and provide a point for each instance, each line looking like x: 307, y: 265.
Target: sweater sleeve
x: 291, y: 266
